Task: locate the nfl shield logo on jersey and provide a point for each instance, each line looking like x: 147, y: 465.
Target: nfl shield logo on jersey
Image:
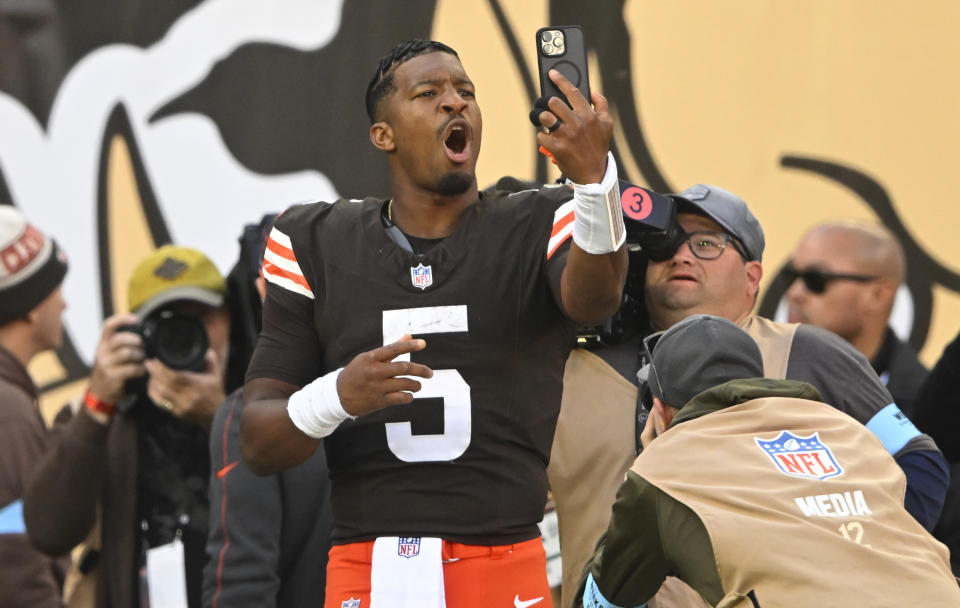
x: 800, y: 456
x: 421, y: 276
x: 408, y: 547
x: 350, y: 603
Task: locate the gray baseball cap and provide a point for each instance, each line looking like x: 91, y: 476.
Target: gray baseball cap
x: 726, y: 209
x: 698, y: 353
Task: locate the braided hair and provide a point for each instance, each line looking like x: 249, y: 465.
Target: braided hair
x: 382, y: 83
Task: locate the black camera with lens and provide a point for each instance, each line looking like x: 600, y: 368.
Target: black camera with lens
x: 177, y: 340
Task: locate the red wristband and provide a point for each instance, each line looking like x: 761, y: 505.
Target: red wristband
x: 95, y: 405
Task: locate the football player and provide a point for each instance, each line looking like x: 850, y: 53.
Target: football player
x: 425, y: 337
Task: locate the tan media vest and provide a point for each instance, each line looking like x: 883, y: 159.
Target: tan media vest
x: 809, y: 525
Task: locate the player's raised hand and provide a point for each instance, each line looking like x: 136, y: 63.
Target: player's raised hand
x: 580, y: 140
x: 373, y: 380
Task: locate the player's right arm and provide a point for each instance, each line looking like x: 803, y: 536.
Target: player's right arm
x: 286, y: 358
x: 268, y: 438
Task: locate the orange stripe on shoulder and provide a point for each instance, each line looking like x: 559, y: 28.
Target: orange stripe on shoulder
x: 559, y: 243
x: 561, y: 223
x: 269, y: 268
x: 280, y: 250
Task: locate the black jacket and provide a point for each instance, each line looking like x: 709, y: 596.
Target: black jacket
x: 900, y: 370
x: 938, y: 414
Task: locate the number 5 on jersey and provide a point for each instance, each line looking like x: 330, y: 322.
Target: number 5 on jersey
x: 447, y: 384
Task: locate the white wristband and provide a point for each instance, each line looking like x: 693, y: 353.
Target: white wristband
x: 598, y: 218
x: 316, y: 409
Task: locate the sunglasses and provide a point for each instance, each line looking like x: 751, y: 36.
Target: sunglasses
x: 817, y: 281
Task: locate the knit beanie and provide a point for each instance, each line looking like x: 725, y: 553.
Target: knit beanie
x: 31, y: 265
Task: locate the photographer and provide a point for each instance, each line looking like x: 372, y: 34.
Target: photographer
x: 128, y: 469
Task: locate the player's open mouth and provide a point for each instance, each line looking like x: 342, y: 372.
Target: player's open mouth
x: 456, y: 140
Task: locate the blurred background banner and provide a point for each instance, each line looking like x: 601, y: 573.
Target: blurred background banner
x: 127, y: 124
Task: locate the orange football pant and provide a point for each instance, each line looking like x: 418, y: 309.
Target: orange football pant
x: 474, y: 576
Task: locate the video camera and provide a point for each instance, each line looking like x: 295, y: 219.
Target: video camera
x: 177, y: 340
x: 651, y: 221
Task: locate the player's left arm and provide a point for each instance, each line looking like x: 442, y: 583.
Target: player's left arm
x: 592, y: 282
x: 592, y: 285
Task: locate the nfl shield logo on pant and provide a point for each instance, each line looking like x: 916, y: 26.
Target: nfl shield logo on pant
x: 408, y: 547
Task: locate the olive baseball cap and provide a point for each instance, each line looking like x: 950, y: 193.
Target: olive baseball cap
x: 699, y: 353
x: 173, y: 273
x: 726, y: 209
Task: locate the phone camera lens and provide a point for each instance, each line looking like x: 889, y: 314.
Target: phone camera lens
x: 558, y: 42
x: 546, y: 36
x: 548, y: 49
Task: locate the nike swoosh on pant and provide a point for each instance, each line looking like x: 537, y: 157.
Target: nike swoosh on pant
x: 523, y: 604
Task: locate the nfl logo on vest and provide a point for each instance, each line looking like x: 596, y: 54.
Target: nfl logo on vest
x: 801, y: 456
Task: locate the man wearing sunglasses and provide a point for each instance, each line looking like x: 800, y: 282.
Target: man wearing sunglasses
x: 844, y: 277
x: 715, y: 270
x: 756, y: 493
